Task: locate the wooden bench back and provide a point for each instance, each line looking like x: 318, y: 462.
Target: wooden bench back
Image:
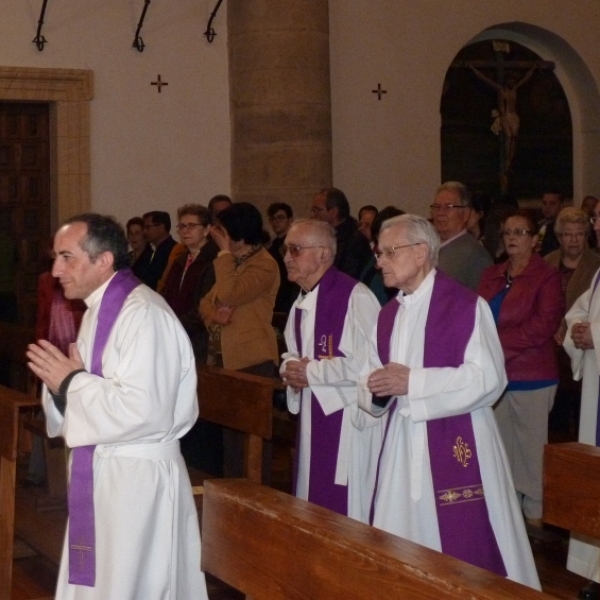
x: 572, y: 487
x: 272, y: 546
x: 11, y: 403
x: 242, y: 402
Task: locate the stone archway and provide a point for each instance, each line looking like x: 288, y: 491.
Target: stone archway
x: 477, y: 149
x: 68, y: 91
x: 580, y: 88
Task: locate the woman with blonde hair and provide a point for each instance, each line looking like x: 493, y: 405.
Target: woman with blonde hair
x: 577, y: 264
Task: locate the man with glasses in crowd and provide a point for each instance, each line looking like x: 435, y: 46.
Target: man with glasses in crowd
x: 327, y: 337
x: 462, y: 257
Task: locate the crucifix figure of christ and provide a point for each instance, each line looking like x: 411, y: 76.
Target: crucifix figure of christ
x: 506, y: 84
x: 507, y: 109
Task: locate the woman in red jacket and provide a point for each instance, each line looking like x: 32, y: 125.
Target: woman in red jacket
x: 526, y: 299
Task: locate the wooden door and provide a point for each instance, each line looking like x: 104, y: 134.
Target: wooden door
x: 25, y: 227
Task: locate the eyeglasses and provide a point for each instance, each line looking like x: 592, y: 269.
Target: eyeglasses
x: 445, y: 207
x: 519, y: 232
x: 190, y: 226
x: 593, y: 220
x: 278, y: 218
x: 295, y: 249
x: 390, y: 252
x: 576, y: 235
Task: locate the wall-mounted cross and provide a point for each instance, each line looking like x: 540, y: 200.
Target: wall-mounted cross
x: 379, y: 91
x: 159, y: 84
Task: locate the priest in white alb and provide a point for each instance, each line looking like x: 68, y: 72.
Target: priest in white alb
x: 581, y: 343
x: 436, y: 369
x: 121, y: 399
x: 327, y: 336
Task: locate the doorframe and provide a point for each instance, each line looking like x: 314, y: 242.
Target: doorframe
x: 68, y: 91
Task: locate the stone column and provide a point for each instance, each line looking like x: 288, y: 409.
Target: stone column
x: 280, y: 101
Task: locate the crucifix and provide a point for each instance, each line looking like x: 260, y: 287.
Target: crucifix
x: 81, y: 549
x: 159, y: 84
x: 507, y: 82
x: 379, y: 91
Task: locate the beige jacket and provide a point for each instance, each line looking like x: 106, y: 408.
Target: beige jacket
x: 249, y: 339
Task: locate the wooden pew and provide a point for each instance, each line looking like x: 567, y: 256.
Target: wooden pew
x: 14, y: 340
x: 273, y: 546
x: 572, y: 487
x: 12, y: 403
x: 242, y: 402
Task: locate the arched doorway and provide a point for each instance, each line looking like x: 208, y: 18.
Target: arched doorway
x: 506, y: 122
x: 581, y: 91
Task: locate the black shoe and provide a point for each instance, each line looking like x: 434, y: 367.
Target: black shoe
x: 590, y: 591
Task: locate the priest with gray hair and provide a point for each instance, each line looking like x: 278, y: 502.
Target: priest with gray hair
x: 327, y: 340
x: 122, y: 398
x: 435, y: 370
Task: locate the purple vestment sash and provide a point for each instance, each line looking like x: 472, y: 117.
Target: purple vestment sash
x: 335, y: 289
x: 463, y: 520
x: 82, y: 531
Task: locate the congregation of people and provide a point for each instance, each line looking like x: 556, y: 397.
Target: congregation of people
x: 425, y: 356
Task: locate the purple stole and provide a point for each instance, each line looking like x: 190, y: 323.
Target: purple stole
x: 335, y: 289
x: 82, y: 531
x: 465, y: 529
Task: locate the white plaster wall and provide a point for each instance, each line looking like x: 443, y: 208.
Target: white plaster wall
x: 388, y: 151
x: 148, y: 150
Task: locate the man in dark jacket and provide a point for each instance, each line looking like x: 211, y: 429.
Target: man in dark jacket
x: 151, y: 264
x: 353, y: 250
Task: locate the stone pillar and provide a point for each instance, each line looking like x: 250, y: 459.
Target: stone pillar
x: 280, y: 101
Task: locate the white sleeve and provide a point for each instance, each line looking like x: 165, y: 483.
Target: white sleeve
x: 148, y: 388
x: 578, y: 313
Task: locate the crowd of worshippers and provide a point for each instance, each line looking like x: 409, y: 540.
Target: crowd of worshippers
x: 423, y: 354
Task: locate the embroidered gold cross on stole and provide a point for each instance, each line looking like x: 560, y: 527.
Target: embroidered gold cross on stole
x: 81, y: 549
x: 326, y: 346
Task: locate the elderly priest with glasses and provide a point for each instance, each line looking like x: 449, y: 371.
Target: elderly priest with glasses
x: 122, y: 398
x: 327, y: 339
x: 436, y: 368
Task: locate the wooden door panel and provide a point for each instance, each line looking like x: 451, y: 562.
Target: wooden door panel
x: 24, y: 199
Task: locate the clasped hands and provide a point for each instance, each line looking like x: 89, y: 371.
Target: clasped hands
x: 581, y: 334
x: 223, y: 314
x: 390, y: 380
x: 295, y: 374
x: 51, y: 365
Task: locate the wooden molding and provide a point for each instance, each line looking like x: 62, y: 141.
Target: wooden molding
x: 69, y: 92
